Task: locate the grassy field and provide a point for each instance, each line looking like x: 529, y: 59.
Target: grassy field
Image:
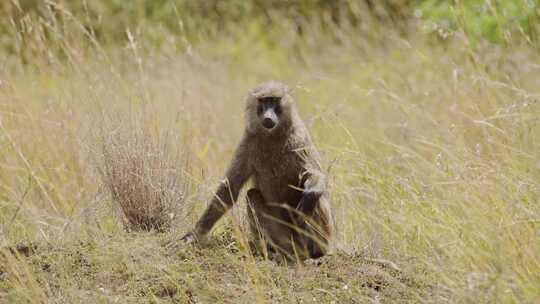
x: 433, y: 153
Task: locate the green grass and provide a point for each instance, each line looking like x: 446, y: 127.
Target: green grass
x: 432, y: 153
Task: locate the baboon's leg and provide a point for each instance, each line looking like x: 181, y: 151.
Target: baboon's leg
x: 277, y: 229
x: 267, y: 224
x: 256, y: 210
x: 319, y: 229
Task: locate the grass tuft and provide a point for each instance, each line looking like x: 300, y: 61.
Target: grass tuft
x: 142, y: 176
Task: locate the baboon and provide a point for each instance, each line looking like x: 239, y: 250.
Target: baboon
x: 287, y: 207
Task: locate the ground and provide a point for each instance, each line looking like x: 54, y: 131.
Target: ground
x: 146, y: 267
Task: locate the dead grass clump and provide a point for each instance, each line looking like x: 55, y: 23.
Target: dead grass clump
x: 144, y: 176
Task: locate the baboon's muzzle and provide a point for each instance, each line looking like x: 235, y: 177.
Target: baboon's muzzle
x: 270, y: 119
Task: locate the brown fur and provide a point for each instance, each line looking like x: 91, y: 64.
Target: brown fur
x: 287, y: 208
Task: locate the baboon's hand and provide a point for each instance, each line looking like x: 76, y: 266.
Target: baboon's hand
x: 189, y: 238
x: 309, y: 201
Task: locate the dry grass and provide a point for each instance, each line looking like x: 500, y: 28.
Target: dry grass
x: 144, y: 178
x: 434, y: 156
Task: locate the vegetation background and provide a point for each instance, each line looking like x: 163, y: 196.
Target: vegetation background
x: 118, y: 117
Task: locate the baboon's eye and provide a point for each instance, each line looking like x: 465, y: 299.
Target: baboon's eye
x: 269, y: 99
x: 270, y: 102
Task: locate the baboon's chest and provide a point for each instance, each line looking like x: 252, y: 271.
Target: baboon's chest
x: 278, y: 174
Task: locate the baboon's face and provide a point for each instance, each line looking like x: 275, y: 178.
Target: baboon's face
x: 269, y: 109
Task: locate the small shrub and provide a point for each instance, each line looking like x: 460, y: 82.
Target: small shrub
x: 143, y: 177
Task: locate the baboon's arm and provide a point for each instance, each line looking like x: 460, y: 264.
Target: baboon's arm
x: 237, y: 174
x: 314, y: 184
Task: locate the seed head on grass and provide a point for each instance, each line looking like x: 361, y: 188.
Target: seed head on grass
x: 144, y: 177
